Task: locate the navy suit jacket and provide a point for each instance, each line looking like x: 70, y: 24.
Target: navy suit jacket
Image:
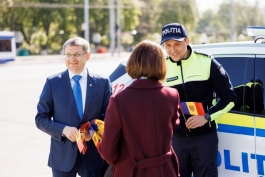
x: 56, y: 109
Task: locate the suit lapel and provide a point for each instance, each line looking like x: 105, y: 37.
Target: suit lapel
x: 91, y: 84
x: 69, y: 92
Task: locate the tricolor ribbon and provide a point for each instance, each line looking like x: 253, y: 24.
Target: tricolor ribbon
x: 95, y: 129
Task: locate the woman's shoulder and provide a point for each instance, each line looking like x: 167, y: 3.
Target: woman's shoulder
x: 170, y: 89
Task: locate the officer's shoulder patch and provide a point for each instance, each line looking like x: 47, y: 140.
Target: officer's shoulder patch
x: 202, y: 53
x: 222, y: 71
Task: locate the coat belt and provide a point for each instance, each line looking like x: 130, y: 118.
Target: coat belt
x: 154, y: 161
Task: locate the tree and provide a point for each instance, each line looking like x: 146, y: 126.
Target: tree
x: 184, y: 12
x: 50, y: 27
x: 156, y: 13
x: 207, y: 20
x: 243, y: 15
x: 14, y: 19
x: 247, y: 15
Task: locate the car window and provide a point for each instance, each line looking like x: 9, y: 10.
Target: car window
x: 247, y: 83
x: 259, y: 90
x: 5, y: 45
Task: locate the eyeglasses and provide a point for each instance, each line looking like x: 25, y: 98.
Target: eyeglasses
x: 76, y: 55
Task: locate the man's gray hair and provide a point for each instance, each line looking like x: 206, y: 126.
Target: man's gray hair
x: 77, y: 41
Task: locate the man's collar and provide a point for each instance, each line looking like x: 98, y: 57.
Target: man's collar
x: 83, y: 74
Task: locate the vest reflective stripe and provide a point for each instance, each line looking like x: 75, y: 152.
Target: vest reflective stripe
x: 195, y: 68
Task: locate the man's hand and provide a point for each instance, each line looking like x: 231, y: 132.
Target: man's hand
x: 70, y: 133
x: 195, y: 122
x: 86, y: 136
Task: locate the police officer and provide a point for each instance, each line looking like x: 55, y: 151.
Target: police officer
x: 199, y: 78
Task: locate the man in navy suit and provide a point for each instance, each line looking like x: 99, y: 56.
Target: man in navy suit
x: 58, y: 113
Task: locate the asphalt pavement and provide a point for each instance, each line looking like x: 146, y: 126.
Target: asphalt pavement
x: 24, y: 149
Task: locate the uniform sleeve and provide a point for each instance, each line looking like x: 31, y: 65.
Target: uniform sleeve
x: 224, y: 90
x: 109, y: 148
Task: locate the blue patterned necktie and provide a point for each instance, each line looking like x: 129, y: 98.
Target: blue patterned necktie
x: 78, y: 95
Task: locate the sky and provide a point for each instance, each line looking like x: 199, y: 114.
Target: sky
x: 204, y: 5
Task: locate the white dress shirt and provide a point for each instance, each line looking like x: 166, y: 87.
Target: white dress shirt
x: 82, y: 82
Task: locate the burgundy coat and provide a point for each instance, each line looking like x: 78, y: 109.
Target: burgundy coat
x: 139, y: 125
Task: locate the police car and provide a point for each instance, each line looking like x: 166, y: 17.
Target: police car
x: 241, y: 131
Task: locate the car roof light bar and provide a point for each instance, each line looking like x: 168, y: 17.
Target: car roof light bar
x: 256, y: 30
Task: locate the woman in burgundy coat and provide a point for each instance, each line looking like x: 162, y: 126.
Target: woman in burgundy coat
x: 140, y: 120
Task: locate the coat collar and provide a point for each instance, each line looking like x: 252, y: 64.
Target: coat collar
x: 145, y: 84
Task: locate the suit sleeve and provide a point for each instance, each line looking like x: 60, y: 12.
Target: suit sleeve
x: 45, y: 109
x: 109, y: 146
